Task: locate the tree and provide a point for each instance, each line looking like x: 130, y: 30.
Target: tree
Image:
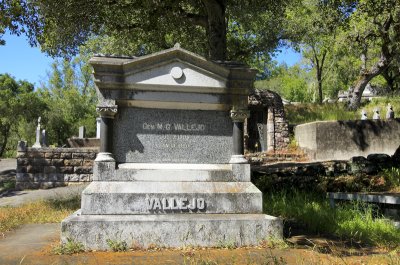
x: 70, y: 97
x: 293, y: 83
x: 219, y: 29
x: 312, y: 27
x: 18, y: 102
x: 374, y: 35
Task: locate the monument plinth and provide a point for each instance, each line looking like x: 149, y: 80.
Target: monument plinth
x: 171, y: 170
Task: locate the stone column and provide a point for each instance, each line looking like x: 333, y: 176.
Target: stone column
x: 238, y: 117
x: 270, y: 130
x: 107, y: 114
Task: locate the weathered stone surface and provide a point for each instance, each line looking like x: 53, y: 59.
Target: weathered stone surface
x: 73, y: 162
x: 176, y: 230
x: 172, y: 136
x: 85, y: 177
x: 24, y: 177
x: 84, y: 155
x: 57, y: 162
x: 49, y: 169
x: 171, y: 172
x: 267, y: 127
x: 54, y: 155
x: 66, y: 155
x: 87, y: 163
x: 341, y: 140
x: 83, y: 170
x: 71, y: 177
x: 21, y: 169
x: 23, y: 161
x: 380, y: 159
x: 168, y: 135
x: 41, y: 161
x: 134, y: 197
x: 65, y: 170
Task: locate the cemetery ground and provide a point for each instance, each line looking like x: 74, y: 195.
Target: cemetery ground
x: 314, y: 234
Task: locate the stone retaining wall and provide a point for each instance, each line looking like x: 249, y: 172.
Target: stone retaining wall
x: 341, y: 140
x: 53, y: 167
x: 357, y: 174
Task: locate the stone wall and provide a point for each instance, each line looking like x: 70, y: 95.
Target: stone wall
x: 356, y: 174
x: 267, y: 128
x: 53, y: 167
x: 341, y: 140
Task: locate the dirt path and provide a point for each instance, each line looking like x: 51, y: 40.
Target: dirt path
x: 8, y: 164
x: 33, y: 244
x: 15, y: 198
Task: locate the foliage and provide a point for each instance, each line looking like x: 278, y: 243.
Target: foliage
x: 117, y: 245
x: 227, y: 29
x: 354, y: 221
x: 303, y: 113
x: 392, y: 177
x: 69, y: 248
x: 70, y: 97
x: 292, y: 83
x: 18, y: 104
x: 312, y: 27
x: 49, y: 211
x: 373, y: 36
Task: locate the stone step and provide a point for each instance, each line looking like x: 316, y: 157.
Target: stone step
x: 176, y: 172
x: 170, y: 197
x: 178, y: 230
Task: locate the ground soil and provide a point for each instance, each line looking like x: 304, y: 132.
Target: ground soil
x: 33, y: 244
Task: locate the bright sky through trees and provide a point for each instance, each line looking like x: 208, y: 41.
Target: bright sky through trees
x: 28, y: 63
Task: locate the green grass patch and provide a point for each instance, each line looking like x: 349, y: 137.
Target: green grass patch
x: 45, y: 211
x: 303, y: 113
x: 69, y: 248
x: 353, y: 221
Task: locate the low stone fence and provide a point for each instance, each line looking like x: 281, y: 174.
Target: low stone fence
x: 341, y: 140
x: 53, y: 167
x: 357, y: 174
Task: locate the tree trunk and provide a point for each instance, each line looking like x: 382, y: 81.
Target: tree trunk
x: 319, y: 79
x: 216, y: 28
x: 356, y: 92
x: 5, y: 133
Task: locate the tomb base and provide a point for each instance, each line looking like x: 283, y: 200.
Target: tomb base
x: 178, y: 230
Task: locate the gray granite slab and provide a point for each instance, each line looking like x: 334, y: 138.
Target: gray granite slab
x: 176, y: 230
x: 172, y: 136
x: 171, y: 198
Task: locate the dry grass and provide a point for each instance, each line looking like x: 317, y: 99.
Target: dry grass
x: 49, y: 211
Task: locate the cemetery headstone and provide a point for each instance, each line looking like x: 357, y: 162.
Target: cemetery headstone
x: 82, y: 132
x: 37, y: 142
x: 364, y: 115
x: 44, y: 139
x: 98, y: 123
x: 376, y: 115
x: 171, y: 170
x: 389, y: 112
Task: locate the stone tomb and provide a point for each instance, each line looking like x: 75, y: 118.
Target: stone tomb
x: 171, y: 170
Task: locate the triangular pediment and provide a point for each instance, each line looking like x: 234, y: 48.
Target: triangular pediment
x: 175, y: 66
x: 175, y: 72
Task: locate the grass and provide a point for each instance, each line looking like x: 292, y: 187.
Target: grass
x: 45, y: 211
x: 392, y: 177
x: 356, y: 221
x: 69, y: 248
x: 7, y: 185
x: 303, y: 113
x: 117, y: 245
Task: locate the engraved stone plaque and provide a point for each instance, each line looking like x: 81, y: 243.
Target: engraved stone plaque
x: 172, y: 136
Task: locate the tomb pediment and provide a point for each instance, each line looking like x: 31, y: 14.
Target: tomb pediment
x: 173, y: 67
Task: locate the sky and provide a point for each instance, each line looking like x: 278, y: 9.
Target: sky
x: 24, y: 62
